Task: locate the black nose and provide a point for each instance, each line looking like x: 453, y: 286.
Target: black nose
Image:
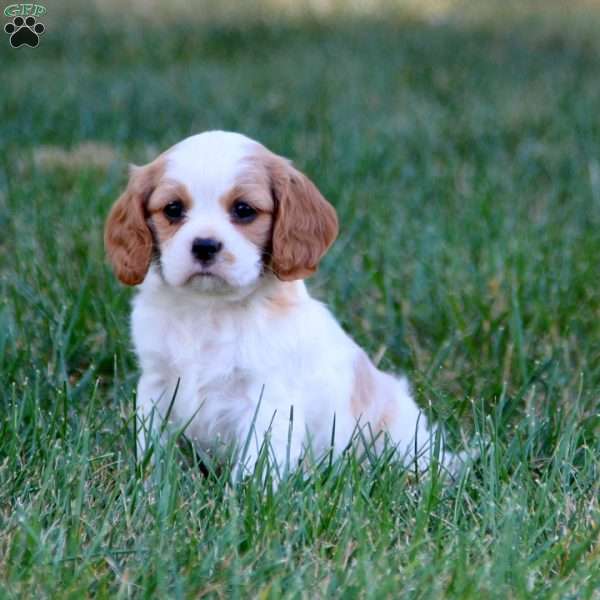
x: 205, y: 249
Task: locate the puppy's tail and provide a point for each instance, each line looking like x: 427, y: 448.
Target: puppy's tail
x: 434, y: 452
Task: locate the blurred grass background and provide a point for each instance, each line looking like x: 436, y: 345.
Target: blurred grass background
x: 460, y: 144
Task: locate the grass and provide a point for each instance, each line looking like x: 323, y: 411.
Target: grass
x: 463, y: 156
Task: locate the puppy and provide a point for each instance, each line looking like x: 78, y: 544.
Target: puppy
x: 219, y: 234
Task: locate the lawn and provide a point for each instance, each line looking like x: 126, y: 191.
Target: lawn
x: 461, y: 148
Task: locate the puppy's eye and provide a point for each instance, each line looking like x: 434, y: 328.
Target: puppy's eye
x: 243, y: 212
x: 174, y: 210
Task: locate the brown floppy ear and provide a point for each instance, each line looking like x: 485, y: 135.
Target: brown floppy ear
x: 305, y: 223
x: 127, y: 237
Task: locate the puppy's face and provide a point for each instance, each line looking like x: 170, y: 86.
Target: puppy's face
x: 211, y: 218
x: 216, y: 212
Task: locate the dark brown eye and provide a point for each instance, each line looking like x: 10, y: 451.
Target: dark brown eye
x: 243, y: 212
x: 174, y: 210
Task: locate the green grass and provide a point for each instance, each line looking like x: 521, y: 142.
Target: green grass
x: 463, y: 156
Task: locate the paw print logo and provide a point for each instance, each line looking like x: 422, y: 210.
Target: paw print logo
x: 24, y: 32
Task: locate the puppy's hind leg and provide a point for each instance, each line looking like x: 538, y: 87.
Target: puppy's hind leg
x: 416, y: 443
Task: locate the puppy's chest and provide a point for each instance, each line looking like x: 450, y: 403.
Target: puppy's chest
x: 203, y: 351
x: 224, y: 353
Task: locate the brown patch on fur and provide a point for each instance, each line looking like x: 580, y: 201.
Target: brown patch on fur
x: 305, y: 223
x: 389, y: 414
x: 127, y: 237
x: 166, y: 192
x: 253, y: 187
x: 283, y: 298
x: 228, y: 257
x: 363, y: 393
x: 259, y: 231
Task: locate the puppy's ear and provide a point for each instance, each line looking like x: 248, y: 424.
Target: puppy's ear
x: 305, y: 223
x: 127, y: 237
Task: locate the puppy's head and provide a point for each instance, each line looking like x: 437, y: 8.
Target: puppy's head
x: 216, y: 213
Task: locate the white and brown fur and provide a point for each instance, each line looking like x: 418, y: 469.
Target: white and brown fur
x: 241, y: 337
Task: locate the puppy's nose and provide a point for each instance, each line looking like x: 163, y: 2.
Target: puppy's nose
x: 205, y: 249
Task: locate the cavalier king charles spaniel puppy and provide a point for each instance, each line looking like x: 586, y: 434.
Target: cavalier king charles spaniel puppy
x: 219, y: 234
